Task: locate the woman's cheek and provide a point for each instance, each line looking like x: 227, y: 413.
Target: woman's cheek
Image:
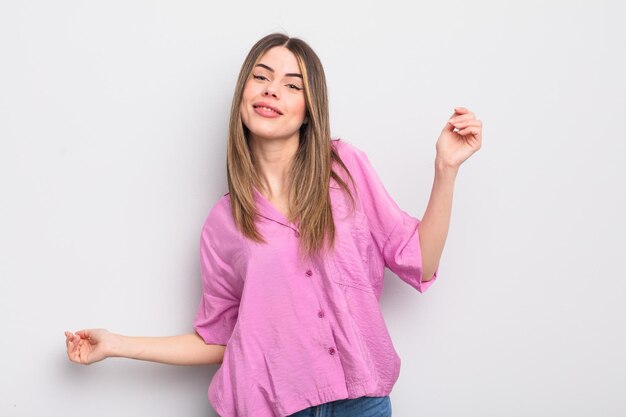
x: 244, y: 114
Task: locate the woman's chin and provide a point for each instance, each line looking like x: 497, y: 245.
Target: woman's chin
x: 270, y: 135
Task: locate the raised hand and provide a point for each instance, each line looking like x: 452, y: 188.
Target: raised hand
x: 88, y: 346
x: 453, y: 148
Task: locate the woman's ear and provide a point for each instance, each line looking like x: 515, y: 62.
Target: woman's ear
x: 306, y: 120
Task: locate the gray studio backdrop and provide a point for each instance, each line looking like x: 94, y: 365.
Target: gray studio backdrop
x: 113, y: 118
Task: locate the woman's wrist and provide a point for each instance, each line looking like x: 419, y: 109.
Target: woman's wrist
x: 444, y: 169
x: 117, y: 346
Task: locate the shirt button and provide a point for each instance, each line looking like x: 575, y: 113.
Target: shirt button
x: 296, y: 233
x: 331, y: 351
x: 309, y: 273
x: 320, y: 314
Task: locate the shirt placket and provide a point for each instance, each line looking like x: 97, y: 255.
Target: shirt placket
x: 269, y: 212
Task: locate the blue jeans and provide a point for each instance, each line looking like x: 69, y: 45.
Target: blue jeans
x: 350, y: 407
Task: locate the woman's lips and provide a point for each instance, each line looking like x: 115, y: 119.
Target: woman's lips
x: 266, y: 112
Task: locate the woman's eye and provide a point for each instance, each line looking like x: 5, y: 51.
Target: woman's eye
x: 293, y: 86
x: 259, y: 77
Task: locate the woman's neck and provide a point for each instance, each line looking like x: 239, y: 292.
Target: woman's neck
x: 273, y: 158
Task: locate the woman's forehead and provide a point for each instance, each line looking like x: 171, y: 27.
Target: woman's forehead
x: 279, y: 59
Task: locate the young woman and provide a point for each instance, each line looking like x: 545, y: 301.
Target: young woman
x: 292, y: 258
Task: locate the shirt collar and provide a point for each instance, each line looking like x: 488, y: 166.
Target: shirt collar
x: 267, y: 210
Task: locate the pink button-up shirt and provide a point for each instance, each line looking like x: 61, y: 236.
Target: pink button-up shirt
x: 302, y: 334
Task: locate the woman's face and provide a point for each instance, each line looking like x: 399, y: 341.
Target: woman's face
x: 273, y: 105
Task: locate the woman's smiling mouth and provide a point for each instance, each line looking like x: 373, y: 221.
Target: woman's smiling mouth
x: 266, y: 110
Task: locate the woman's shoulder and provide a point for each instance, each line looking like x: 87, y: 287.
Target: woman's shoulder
x: 346, y: 150
x: 219, y: 232
x: 343, y: 146
x: 220, y: 215
x: 352, y: 155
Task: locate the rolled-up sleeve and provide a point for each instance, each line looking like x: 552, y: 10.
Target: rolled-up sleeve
x: 394, y: 231
x: 221, y: 288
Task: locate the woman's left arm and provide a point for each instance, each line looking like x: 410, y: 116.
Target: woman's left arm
x: 453, y: 148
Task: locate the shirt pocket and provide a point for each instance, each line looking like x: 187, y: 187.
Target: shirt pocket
x: 350, y: 260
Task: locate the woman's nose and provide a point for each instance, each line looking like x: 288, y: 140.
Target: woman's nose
x: 270, y: 91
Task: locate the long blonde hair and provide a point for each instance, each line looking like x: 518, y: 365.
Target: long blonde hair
x: 311, y: 169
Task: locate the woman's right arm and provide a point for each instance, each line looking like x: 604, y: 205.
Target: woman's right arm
x: 93, y: 345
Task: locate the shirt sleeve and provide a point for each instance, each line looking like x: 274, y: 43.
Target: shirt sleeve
x: 394, y: 231
x: 221, y: 288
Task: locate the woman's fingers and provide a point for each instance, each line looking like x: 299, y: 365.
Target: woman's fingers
x: 84, y: 334
x: 467, y: 123
x: 469, y: 130
x: 74, y: 344
x: 70, y: 342
x: 86, y: 346
x: 81, y: 350
x: 461, y: 119
x: 462, y: 110
x: 71, y: 352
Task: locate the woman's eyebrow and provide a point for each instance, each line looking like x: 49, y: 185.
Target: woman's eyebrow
x: 272, y: 70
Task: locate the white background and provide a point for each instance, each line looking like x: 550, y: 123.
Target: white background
x: 113, y: 119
